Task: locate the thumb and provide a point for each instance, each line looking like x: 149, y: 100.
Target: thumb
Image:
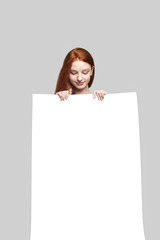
x: 94, y: 94
x: 70, y: 91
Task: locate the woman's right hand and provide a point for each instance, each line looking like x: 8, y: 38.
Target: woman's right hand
x: 64, y: 94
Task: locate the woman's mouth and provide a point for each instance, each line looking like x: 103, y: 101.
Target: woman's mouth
x: 79, y: 83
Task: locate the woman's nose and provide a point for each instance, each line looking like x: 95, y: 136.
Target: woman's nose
x: 79, y: 76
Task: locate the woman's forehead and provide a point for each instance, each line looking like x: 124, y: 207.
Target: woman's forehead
x: 79, y: 65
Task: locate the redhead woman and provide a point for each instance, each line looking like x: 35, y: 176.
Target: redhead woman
x: 76, y: 75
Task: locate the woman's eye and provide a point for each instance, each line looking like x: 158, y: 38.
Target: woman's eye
x: 85, y: 72
x: 73, y: 73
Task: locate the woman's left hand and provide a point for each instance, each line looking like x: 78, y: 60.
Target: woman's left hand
x: 100, y: 94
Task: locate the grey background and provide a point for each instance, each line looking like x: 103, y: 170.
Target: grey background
x: 123, y: 38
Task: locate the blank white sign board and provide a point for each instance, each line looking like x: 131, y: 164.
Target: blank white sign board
x: 86, y: 168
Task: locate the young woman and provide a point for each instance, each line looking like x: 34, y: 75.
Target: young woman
x: 76, y: 75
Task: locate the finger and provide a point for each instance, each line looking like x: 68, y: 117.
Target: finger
x: 103, y: 92
x: 64, y: 96
x: 70, y: 91
x: 60, y: 94
x: 94, y: 94
x: 102, y: 98
x: 61, y: 97
x: 99, y: 96
x: 102, y: 95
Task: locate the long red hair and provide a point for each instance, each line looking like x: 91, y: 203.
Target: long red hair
x: 63, y: 82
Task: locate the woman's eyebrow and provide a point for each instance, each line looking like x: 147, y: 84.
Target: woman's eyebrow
x: 82, y: 70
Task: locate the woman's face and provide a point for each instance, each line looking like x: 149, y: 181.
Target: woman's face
x: 80, y: 74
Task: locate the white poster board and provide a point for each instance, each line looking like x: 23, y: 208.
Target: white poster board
x: 86, y: 168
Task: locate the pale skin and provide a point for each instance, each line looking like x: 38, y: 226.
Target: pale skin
x: 79, y: 77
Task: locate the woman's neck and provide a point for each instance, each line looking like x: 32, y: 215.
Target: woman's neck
x: 81, y: 91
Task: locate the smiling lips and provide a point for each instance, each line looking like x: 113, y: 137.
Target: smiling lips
x: 79, y: 83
